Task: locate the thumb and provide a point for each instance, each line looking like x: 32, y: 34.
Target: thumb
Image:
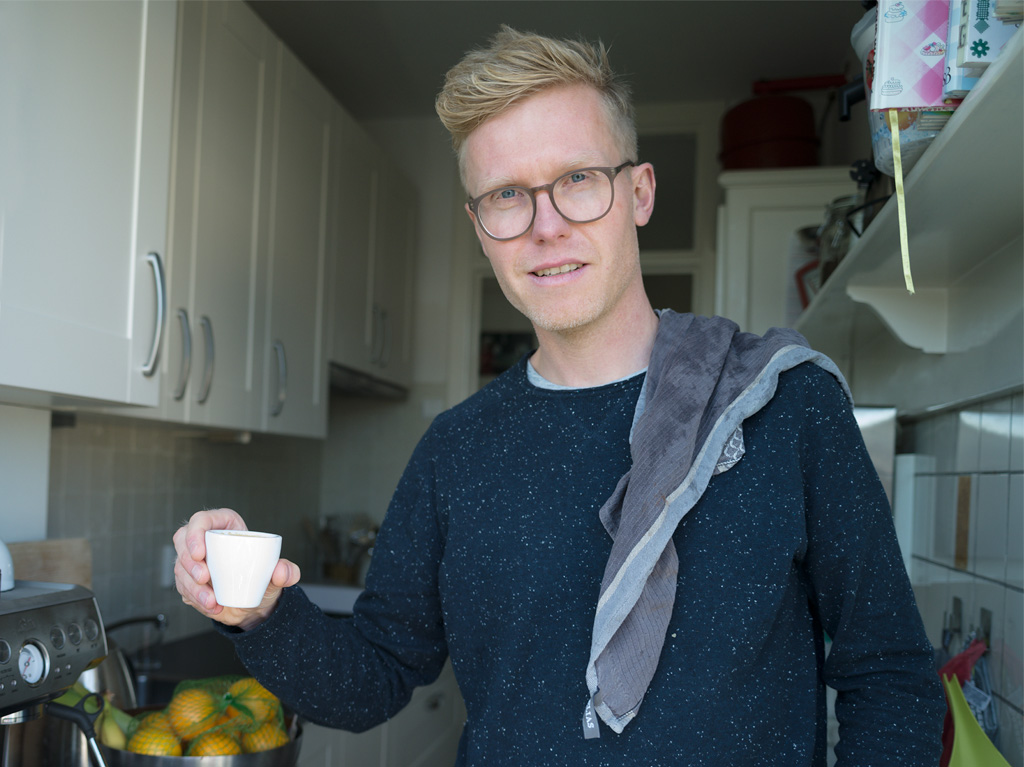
x: 286, y: 574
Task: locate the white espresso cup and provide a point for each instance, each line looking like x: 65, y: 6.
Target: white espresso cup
x: 241, y: 563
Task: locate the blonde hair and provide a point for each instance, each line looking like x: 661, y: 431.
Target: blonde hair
x: 516, y: 65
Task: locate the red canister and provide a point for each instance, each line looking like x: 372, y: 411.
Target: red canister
x: 771, y: 131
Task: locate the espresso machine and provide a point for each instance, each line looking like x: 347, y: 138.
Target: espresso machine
x: 49, y: 634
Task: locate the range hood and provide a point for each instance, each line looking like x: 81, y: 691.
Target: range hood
x: 359, y: 384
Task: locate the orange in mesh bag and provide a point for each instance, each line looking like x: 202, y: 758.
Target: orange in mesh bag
x: 192, y: 711
x: 251, y: 705
x: 225, y: 715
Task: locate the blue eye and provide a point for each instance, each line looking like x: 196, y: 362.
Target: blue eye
x: 578, y: 177
x: 507, y: 194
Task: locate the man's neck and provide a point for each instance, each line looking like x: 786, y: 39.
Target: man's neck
x: 599, y: 353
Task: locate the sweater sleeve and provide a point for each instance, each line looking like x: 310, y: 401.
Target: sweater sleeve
x: 890, y: 705
x: 356, y: 672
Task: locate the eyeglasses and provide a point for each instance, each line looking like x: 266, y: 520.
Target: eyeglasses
x: 580, y: 196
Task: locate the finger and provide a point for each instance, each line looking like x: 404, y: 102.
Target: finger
x: 209, y: 519
x: 198, y: 596
x: 286, y: 574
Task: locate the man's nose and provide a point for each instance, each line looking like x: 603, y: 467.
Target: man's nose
x: 548, y: 222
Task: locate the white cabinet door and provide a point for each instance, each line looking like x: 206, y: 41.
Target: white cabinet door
x: 295, y: 373
x: 762, y: 210
x: 85, y: 106
x: 426, y: 732
x: 393, y: 275
x: 353, y: 234
x: 219, y: 216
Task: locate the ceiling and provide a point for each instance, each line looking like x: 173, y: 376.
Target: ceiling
x: 387, y: 58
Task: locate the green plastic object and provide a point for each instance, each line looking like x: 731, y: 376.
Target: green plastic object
x: 971, y: 746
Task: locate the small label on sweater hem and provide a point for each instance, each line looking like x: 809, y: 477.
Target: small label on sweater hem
x: 590, y: 726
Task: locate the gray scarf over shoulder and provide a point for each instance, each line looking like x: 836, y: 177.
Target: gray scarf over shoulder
x: 704, y: 378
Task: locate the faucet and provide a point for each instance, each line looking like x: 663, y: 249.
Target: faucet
x: 141, y: 658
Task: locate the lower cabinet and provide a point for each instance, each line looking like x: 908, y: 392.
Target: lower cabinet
x: 423, y: 734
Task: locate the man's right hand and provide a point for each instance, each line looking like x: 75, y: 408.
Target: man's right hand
x: 192, y: 577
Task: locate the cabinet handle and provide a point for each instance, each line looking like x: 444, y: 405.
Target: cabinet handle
x: 161, y: 310
x: 282, y: 379
x: 207, y: 326
x: 186, y: 354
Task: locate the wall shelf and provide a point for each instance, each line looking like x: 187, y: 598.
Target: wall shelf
x: 964, y: 201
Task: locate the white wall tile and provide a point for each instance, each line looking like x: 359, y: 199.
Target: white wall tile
x: 1017, y: 434
x: 1015, y: 532
x: 931, y: 591
x: 966, y: 587
x: 992, y: 597
x: 1011, y: 670
x: 925, y: 494
x: 968, y: 440
x: 1011, y: 742
x: 944, y: 521
x: 936, y: 437
x: 994, y: 442
x: 989, y: 526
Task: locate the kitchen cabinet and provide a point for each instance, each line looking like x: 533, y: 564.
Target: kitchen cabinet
x: 426, y: 732
x: 761, y: 211
x: 393, y: 269
x: 373, y: 242
x: 963, y: 202
x: 356, y: 178
x: 223, y: 128
x: 423, y: 734
x: 86, y: 93
x: 295, y: 372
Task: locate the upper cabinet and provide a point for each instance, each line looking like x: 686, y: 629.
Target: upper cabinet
x: 354, y: 197
x: 295, y: 371
x: 188, y: 220
x: 86, y: 94
x: 762, y: 210
x: 392, y: 276
x: 373, y: 234
x: 223, y: 130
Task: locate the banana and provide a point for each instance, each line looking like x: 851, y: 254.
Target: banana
x: 73, y: 694
x: 110, y: 732
x: 125, y: 721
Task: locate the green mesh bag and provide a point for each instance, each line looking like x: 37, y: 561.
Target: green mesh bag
x: 234, y: 705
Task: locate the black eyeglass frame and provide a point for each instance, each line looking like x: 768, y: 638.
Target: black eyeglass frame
x: 611, y: 172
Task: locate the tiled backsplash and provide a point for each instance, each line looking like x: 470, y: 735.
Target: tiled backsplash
x: 968, y: 532
x: 128, y: 484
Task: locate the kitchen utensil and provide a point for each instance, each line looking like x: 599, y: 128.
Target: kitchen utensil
x: 971, y: 746
x: 241, y: 563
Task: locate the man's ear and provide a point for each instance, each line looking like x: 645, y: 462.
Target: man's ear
x: 643, y: 193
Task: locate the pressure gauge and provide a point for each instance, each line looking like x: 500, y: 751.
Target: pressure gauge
x: 32, y: 663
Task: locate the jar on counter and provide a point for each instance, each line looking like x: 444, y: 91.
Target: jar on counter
x: 835, y: 234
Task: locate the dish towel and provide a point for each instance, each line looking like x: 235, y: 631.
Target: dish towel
x: 704, y: 378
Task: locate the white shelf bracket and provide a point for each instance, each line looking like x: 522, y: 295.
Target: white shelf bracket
x: 919, y: 320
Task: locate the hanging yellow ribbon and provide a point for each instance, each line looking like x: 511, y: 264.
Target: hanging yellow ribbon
x: 901, y: 207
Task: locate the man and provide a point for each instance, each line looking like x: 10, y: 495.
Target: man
x: 650, y: 509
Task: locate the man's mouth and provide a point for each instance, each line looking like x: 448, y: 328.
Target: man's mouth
x: 558, y: 270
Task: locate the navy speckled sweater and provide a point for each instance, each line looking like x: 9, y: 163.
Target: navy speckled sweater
x: 492, y: 552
